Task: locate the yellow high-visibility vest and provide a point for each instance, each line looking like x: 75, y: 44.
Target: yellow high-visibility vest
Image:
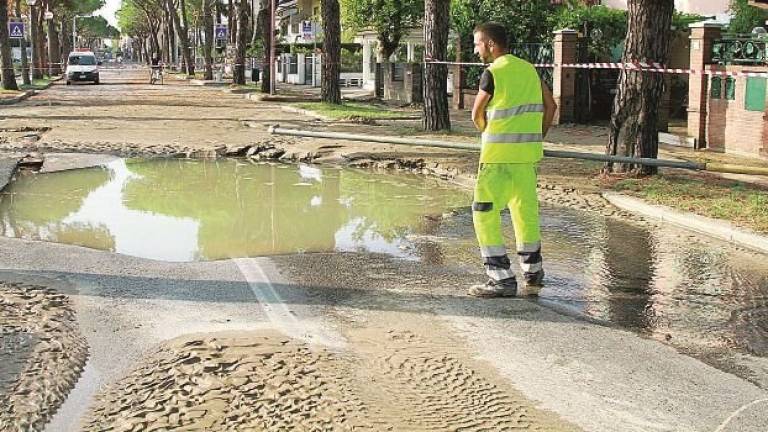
x: 515, y: 114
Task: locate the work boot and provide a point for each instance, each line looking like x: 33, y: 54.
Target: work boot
x: 534, y: 279
x: 494, y: 288
x: 533, y: 283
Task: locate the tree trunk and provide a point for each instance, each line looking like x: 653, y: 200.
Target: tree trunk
x: 264, y: 14
x: 171, y: 39
x: 183, y: 37
x: 189, y: 53
x: 208, y: 32
x: 9, y: 76
x: 634, y: 120
x: 330, y: 92
x: 41, y: 41
x: 241, y: 43
x: 232, y: 21
x: 65, y: 38
x: 23, y: 43
x: 436, y: 17
x: 37, y: 72
x: 54, y: 51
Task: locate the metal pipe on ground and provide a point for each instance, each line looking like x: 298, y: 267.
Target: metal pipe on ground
x: 714, y: 167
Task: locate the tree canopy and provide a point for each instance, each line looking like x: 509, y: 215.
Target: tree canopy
x: 746, y: 17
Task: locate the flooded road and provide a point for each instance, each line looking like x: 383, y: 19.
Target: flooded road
x: 188, y: 210
x: 706, y: 298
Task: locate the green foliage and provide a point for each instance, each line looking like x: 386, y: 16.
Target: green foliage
x: 79, y: 7
x: 130, y: 19
x: 604, y: 27
x: 528, y: 21
x: 746, y: 17
x: 96, y: 27
x: 391, y: 19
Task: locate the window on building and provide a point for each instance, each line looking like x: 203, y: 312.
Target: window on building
x: 730, y: 88
x: 293, y: 65
x: 716, y: 88
x: 755, y: 94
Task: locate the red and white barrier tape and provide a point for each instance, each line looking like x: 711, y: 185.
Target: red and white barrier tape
x: 640, y: 67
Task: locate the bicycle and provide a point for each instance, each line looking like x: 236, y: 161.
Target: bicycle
x: 156, y: 74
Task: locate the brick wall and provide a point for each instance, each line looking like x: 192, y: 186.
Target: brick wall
x: 730, y: 127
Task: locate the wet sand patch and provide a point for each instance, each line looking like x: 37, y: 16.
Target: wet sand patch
x: 42, y: 356
x: 392, y: 380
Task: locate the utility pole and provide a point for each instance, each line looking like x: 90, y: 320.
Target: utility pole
x: 272, y: 46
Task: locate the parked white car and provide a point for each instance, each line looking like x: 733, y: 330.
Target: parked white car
x: 82, y: 66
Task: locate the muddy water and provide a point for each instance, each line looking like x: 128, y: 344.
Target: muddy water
x: 704, y: 297
x: 707, y: 298
x: 178, y: 210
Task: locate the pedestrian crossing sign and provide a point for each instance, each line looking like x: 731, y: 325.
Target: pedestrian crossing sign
x: 16, y: 30
x: 221, y: 32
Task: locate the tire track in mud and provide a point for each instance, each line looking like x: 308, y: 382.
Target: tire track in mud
x: 410, y: 382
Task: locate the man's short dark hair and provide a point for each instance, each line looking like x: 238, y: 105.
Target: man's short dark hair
x: 495, y: 32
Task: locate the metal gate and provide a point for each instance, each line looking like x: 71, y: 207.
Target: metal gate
x: 309, y: 69
x: 595, y: 89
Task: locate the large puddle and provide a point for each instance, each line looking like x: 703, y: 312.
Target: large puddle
x: 182, y: 210
x: 705, y: 297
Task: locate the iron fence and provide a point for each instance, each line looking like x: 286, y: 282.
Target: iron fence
x: 740, y: 50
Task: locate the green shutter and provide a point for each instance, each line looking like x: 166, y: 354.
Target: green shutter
x: 715, y: 88
x: 730, y: 88
x: 755, y: 94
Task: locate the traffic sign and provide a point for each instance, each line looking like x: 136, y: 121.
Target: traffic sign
x: 16, y: 30
x: 307, y: 29
x: 221, y: 31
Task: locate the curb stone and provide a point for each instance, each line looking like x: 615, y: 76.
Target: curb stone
x: 719, y: 229
x: 23, y: 96
x: 307, y: 113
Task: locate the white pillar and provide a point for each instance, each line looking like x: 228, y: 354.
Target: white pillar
x: 300, y: 59
x: 410, y: 52
x: 366, y: 60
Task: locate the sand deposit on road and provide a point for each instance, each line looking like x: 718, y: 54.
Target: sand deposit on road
x: 390, y: 379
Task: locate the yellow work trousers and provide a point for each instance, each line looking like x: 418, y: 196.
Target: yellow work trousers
x: 510, y: 185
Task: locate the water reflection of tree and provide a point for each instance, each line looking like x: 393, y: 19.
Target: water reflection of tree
x: 243, y: 210
x: 34, y: 207
x: 391, y: 206
x: 247, y: 210
x: 628, y: 261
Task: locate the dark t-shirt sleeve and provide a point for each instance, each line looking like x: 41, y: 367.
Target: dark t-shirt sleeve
x: 486, y: 82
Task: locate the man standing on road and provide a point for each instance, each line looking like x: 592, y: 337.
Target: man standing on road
x: 513, y: 110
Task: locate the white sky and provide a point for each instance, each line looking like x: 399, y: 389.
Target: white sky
x: 108, y: 11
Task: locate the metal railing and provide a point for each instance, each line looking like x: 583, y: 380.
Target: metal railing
x: 740, y: 50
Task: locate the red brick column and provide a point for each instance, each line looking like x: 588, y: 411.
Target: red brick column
x: 458, y: 78
x: 564, y: 80
x: 702, y: 37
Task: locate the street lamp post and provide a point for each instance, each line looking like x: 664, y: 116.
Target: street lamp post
x: 37, y: 67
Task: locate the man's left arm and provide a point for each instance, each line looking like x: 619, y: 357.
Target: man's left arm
x: 550, y: 107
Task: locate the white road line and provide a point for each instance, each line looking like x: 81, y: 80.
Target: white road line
x: 737, y: 412
x: 283, y: 318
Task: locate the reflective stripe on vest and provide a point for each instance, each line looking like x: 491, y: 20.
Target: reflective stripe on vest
x: 499, y: 114
x: 512, y: 138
